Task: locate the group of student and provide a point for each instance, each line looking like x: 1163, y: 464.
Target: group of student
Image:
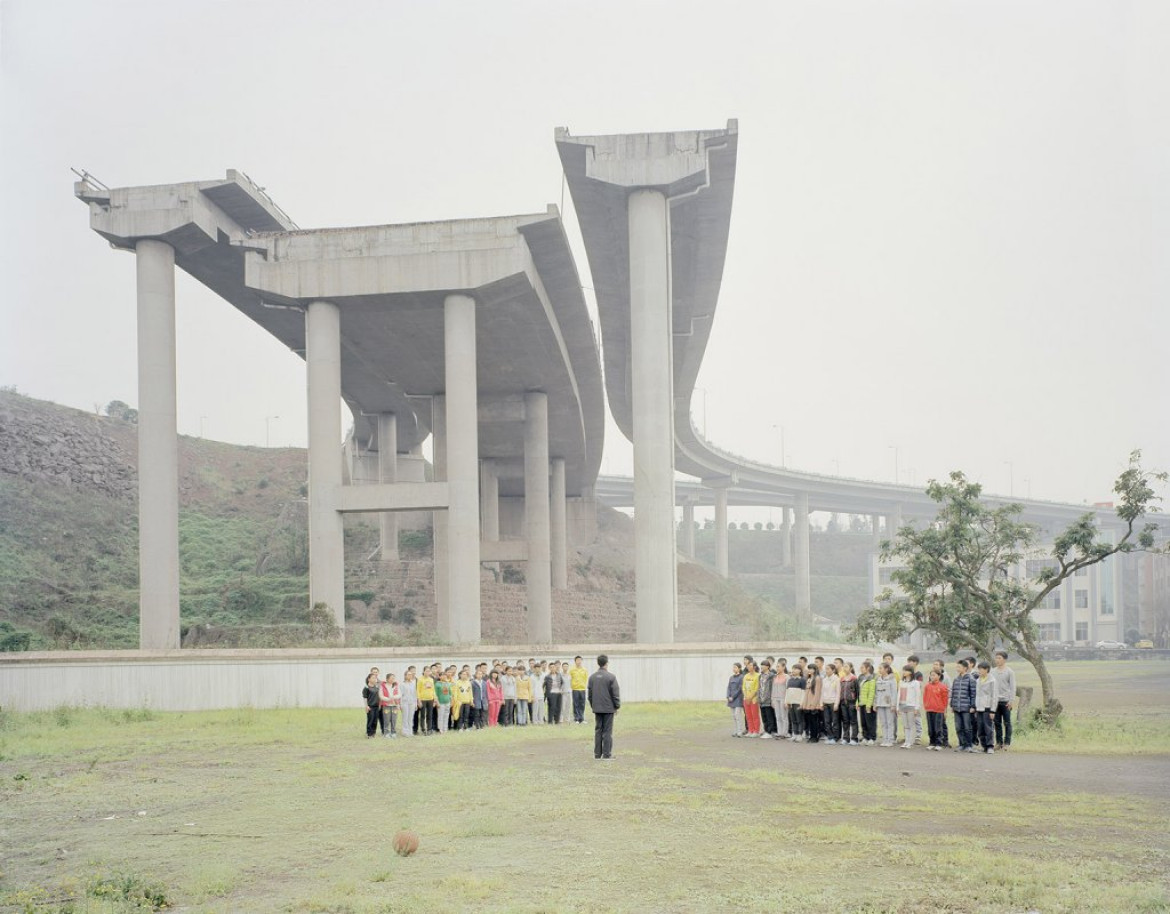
x: 814, y: 701
x: 440, y: 699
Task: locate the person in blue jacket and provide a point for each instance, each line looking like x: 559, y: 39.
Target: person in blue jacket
x: 735, y: 700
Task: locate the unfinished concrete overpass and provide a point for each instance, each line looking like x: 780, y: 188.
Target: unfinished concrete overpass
x: 474, y: 331
x: 655, y: 215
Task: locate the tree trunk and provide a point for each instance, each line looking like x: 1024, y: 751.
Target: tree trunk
x: 1051, y: 708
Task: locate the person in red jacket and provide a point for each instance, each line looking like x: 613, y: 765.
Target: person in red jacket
x: 934, y: 702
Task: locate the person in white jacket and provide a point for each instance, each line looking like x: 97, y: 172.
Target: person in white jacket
x: 909, y: 705
x: 408, y: 701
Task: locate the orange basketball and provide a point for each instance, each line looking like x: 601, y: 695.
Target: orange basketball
x: 405, y: 843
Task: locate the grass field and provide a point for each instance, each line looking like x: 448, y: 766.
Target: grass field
x: 293, y: 811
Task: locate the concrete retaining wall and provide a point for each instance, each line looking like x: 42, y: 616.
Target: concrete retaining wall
x: 196, y: 680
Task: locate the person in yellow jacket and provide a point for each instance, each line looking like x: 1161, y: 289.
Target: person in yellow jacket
x: 579, y: 682
x: 426, y: 701
x: 523, y: 696
x: 751, y: 698
x: 461, y: 701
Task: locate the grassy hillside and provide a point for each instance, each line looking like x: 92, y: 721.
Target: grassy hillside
x: 69, y: 553
x: 69, y: 530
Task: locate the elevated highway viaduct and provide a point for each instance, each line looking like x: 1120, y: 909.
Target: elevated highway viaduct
x: 474, y: 331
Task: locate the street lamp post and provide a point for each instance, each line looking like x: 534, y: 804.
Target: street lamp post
x: 897, y: 475
x: 268, y: 429
x: 783, y: 449
x: 202, y: 419
x: 1011, y: 479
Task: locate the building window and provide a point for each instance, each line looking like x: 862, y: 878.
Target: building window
x: 1081, y: 599
x: 1082, y: 631
x: 1049, y: 631
x: 1052, y: 601
x: 885, y: 575
x: 1035, y: 566
x: 1080, y: 572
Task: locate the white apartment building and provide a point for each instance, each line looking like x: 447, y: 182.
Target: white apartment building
x: 1086, y: 608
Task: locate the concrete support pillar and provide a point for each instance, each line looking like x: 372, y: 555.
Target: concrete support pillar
x: 652, y: 389
x: 326, y: 534
x: 786, y: 539
x: 489, y: 506
x: 688, y: 531
x: 558, y: 522
x: 721, y: 531
x: 536, y: 518
x: 875, y: 523
x: 388, y: 473
x: 803, y: 580
x: 439, y: 518
x: 895, y: 521
x: 462, y: 411
x: 158, y: 450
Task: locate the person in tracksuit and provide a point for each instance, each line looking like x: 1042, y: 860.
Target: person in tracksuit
x: 735, y: 700
x: 866, y: 688
x: 779, y: 690
x: 849, y: 706
x: 793, y: 698
x: 813, y: 705
x: 986, y: 701
x: 767, y: 718
x: 885, y: 700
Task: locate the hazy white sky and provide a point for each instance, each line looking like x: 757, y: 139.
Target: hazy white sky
x: 950, y: 233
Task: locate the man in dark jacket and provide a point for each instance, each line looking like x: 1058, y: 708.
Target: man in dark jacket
x: 604, y: 701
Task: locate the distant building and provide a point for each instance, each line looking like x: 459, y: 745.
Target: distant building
x: 1086, y: 608
x: 1152, y: 573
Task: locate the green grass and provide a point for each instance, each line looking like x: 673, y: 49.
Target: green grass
x: 293, y: 811
x: 1110, y: 708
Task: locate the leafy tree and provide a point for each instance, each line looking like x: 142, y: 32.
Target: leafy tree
x: 117, y: 409
x: 957, y: 577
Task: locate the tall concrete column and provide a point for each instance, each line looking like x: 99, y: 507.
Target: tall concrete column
x: 439, y: 525
x: 558, y: 522
x: 803, y: 580
x: 326, y: 534
x: 462, y: 469
x: 895, y: 521
x: 158, y: 450
x: 875, y: 524
x: 489, y: 506
x: 388, y: 473
x: 689, y: 530
x: 536, y: 518
x: 721, y: 531
x: 786, y: 539
x: 652, y: 397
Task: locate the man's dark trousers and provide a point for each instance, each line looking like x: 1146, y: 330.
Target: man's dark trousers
x: 579, y: 705
x: 1003, y: 725
x: 965, y: 727
x: 602, y: 735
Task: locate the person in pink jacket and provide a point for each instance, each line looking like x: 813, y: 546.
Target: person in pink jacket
x: 495, y: 696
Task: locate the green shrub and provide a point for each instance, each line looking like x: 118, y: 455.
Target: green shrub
x: 134, y: 891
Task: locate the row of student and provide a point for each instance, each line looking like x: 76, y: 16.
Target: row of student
x: 453, y: 698
x: 814, y: 701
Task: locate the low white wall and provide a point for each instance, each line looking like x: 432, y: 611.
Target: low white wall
x: 196, y: 680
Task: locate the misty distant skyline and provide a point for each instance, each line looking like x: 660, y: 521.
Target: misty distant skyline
x: 948, y: 242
